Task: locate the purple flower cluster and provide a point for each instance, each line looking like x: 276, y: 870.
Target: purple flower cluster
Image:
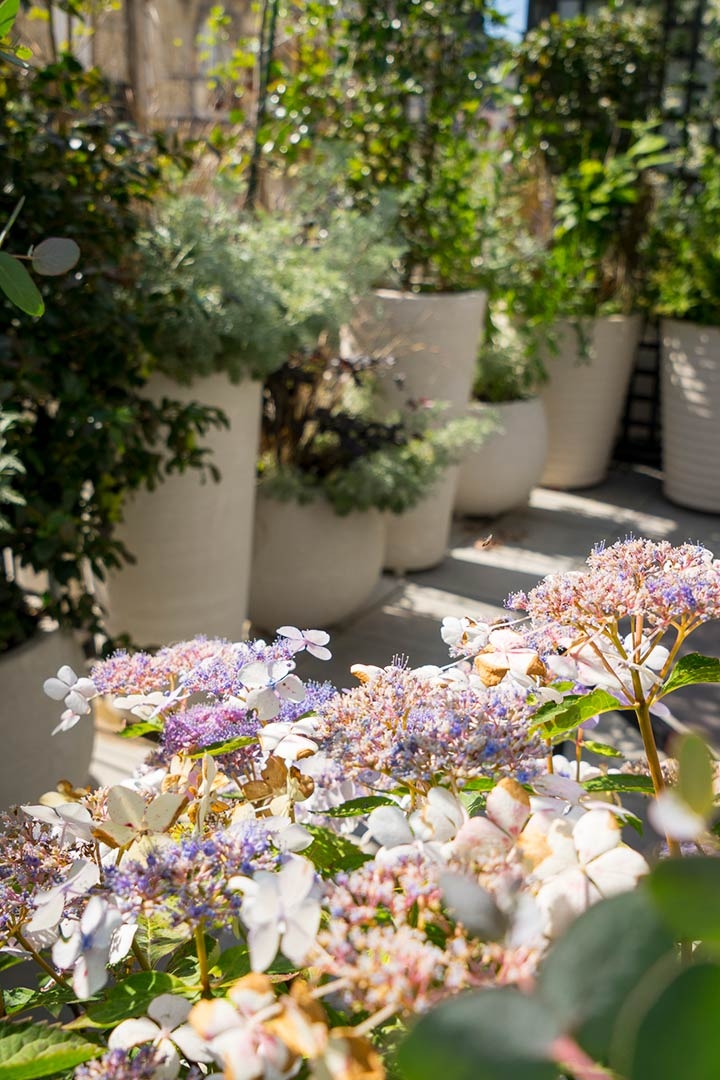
x: 189, y: 881
x: 412, y: 729
x: 201, y: 726
x: 666, y: 585
x: 142, y: 1064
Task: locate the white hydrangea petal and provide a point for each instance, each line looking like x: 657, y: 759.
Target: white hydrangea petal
x: 169, y: 1010
x: 300, y: 933
x: 508, y: 806
x: 190, y: 1044
x: 125, y: 807
x: 291, y: 688
x: 563, y: 899
x: 68, y: 720
x: 78, y: 703
x: 265, y: 702
x: 617, y: 871
x: 90, y: 973
x: 264, y: 942
x: 389, y: 826
x: 671, y: 816
x: 596, y: 832
x: 295, y: 880
x: 55, y: 688
x: 133, y: 1032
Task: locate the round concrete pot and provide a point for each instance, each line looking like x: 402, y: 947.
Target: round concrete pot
x: 193, y: 540
x: 33, y: 760
x: 691, y: 414
x: 501, y: 473
x: 584, y: 398
x: 312, y: 568
x: 434, y: 340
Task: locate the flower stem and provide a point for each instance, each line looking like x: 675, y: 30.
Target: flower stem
x: 642, y: 712
x: 202, y: 960
x: 41, y: 961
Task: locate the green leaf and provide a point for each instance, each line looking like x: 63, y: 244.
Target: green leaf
x: 480, y: 783
x: 600, y: 748
x: 595, y: 966
x: 647, y: 144
x: 692, y: 669
x: 695, y: 781
x: 232, y: 963
x: 18, y: 286
x: 55, y: 256
x: 226, y: 747
x: 132, y: 997
x: 353, y: 807
x: 620, y: 782
x: 686, y: 893
x: 488, y: 1035
x: 143, y: 727
x: 29, y: 1050
x: 8, y: 14
x: 572, y: 711
x: 329, y: 852
x: 679, y: 1036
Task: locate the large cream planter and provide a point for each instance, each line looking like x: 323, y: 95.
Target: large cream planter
x: 311, y: 567
x: 33, y: 760
x: 691, y: 414
x: 193, y: 540
x: 584, y: 398
x: 500, y: 474
x: 434, y: 340
x: 432, y: 337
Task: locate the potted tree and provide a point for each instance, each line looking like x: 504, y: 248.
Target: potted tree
x: 329, y: 468
x: 584, y: 149
x: 83, y: 432
x: 684, y: 253
x: 212, y: 329
x: 500, y: 473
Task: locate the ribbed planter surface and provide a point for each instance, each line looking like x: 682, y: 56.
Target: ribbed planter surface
x: 691, y: 414
x: 584, y: 398
x: 434, y: 340
x: 312, y: 568
x: 33, y: 760
x: 193, y: 540
x: 501, y: 473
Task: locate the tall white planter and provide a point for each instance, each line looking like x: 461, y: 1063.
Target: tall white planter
x: 312, y: 568
x: 33, y: 760
x: 691, y: 414
x: 193, y: 540
x: 501, y: 473
x: 434, y: 339
x: 584, y: 398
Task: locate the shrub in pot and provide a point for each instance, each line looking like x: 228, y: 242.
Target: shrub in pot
x: 500, y: 474
x: 84, y: 432
x: 577, y: 300
x: 684, y: 254
x: 329, y: 468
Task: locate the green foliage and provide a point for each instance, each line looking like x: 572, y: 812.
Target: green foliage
x: 611, y: 992
x: 683, y: 249
x: 583, y: 82
x: 692, y: 669
x: 505, y: 371
x: 86, y: 434
x: 29, y: 1051
x: 556, y: 720
x: 331, y: 853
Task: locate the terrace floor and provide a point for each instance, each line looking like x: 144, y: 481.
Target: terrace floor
x: 486, y: 561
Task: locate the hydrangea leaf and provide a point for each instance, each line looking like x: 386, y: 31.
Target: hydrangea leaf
x: 489, y: 1035
x: 691, y: 669
x: 354, y: 807
x: 600, y: 748
x: 679, y: 1036
x: 8, y: 14
x: 686, y: 893
x: 30, y: 1050
x: 132, y: 997
x: 595, y: 966
x: 572, y: 711
x: 695, y: 783
x: 330, y: 853
x: 620, y: 782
